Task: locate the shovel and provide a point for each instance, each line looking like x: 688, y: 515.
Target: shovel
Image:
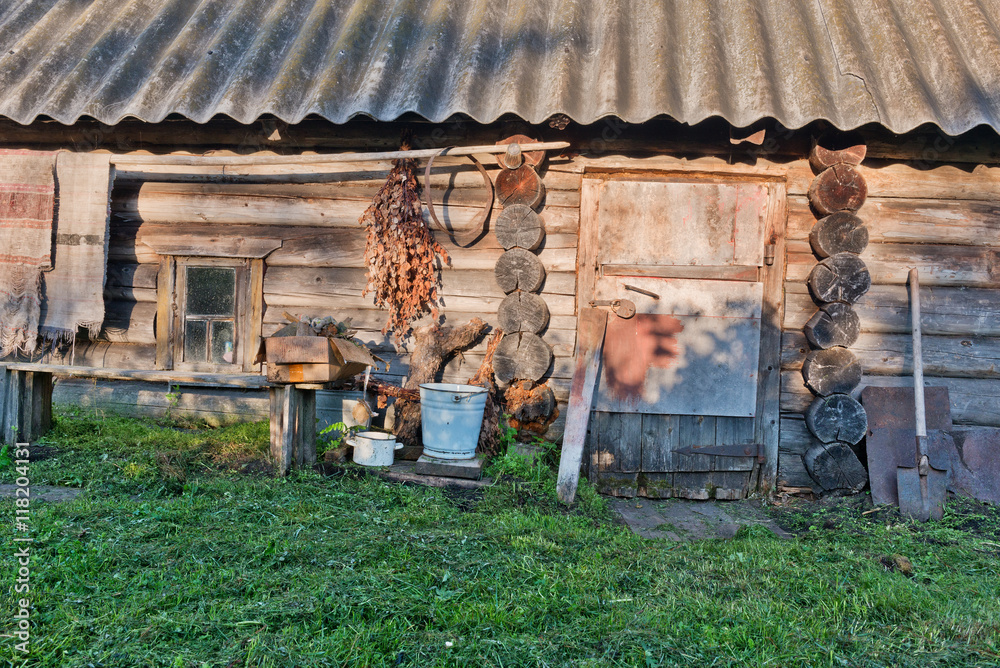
x: 922, y: 489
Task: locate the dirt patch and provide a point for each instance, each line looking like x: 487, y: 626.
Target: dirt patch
x: 49, y: 493
x: 683, y: 520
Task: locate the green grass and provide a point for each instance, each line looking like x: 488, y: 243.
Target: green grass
x: 181, y: 552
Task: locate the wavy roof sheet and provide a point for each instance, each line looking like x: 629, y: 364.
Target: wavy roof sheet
x: 899, y: 63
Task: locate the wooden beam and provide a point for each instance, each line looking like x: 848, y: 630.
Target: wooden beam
x: 175, y: 377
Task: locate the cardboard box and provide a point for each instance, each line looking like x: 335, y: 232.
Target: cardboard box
x: 314, y: 359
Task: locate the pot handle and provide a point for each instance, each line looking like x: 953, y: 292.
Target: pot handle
x: 399, y: 446
x: 350, y: 442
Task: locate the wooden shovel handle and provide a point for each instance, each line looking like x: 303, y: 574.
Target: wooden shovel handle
x: 918, y: 358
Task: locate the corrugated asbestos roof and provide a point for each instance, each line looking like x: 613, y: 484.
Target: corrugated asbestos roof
x: 899, y: 63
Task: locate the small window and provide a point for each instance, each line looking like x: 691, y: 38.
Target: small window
x: 212, y: 309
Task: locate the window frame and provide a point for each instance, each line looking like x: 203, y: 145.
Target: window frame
x: 171, y: 295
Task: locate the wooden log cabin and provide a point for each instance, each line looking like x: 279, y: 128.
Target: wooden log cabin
x: 685, y: 190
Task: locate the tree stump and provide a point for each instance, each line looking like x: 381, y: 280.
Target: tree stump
x: 835, y: 324
x: 523, y: 312
x: 532, y: 408
x: 519, y: 269
x: 840, y: 278
x: 432, y: 346
x: 520, y: 186
x: 838, y: 417
x: 518, y: 226
x: 838, y: 188
x: 835, y: 467
x: 832, y: 371
x: 840, y: 232
x: 521, y: 356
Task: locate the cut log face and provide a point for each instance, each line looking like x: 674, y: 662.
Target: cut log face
x: 523, y: 312
x: 835, y: 467
x: 838, y: 417
x: 519, y: 269
x: 520, y: 186
x: 518, y: 226
x: 840, y: 232
x: 833, y: 371
x: 840, y: 278
x: 835, y: 324
x: 823, y: 157
x: 521, y: 356
x: 838, y: 188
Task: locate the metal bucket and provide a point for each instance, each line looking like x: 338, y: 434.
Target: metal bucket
x: 373, y: 448
x: 451, y: 416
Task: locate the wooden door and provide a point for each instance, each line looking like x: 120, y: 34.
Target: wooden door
x: 687, y: 397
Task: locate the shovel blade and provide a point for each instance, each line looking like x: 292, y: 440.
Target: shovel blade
x: 937, y: 492
x: 912, y: 502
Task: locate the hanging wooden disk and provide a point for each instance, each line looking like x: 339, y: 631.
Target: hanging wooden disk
x: 519, y: 269
x: 519, y: 186
x: 834, y: 466
x: 838, y: 417
x: 831, y: 371
x: 533, y: 158
x: 840, y: 278
x: 835, y: 324
x: 838, y: 188
x: 826, y: 154
x: 521, y: 356
x: 523, y: 312
x: 518, y: 226
x: 840, y: 232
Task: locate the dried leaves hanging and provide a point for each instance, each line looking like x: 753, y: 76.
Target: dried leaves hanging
x: 400, y: 252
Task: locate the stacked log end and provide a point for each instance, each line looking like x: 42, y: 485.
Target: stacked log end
x: 832, y: 371
x: 523, y: 314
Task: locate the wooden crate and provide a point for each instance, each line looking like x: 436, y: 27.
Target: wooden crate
x: 314, y: 359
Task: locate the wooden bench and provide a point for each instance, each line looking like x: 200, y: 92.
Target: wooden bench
x: 26, y: 403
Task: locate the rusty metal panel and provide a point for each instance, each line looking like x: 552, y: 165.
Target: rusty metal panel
x: 674, y: 223
x: 693, y: 351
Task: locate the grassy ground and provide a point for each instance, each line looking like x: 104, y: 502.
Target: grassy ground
x: 182, y: 552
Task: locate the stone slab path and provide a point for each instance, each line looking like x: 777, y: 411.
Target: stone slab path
x: 683, y: 520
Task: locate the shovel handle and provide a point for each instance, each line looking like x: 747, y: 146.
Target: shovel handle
x: 918, y: 357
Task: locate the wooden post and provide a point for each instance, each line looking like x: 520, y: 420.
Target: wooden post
x: 12, y: 408
x: 276, y: 396
x: 307, y: 426
x: 593, y: 323
x: 288, y: 401
x: 4, y: 384
x: 41, y: 414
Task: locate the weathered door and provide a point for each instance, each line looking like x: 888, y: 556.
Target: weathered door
x: 686, y: 403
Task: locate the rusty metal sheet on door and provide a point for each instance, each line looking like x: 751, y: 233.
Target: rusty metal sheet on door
x: 693, y: 351
x: 675, y: 223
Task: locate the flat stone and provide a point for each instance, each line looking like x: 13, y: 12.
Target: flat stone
x: 684, y: 520
x: 469, y: 469
x: 42, y: 492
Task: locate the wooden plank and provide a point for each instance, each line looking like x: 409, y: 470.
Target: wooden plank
x: 4, y: 385
x: 255, y: 314
x: 659, y: 440
x: 165, y: 314
x: 41, y: 404
x: 731, y: 431
x: 12, y: 408
x: 132, y: 275
x: 26, y: 410
x: 590, y: 343
x: 105, y: 355
x: 913, y: 221
x: 275, y: 403
x: 176, y: 377
x: 695, y: 430
x: 209, y: 245
x: 129, y: 322
x: 974, y: 401
x: 628, y: 449
x: 888, y: 264
x: 732, y: 273
x: 891, y: 354
x: 289, y: 405
x: 885, y: 309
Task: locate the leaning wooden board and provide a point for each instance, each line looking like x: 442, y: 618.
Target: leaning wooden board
x: 593, y: 323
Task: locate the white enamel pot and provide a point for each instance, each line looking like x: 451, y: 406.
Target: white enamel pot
x: 373, y: 448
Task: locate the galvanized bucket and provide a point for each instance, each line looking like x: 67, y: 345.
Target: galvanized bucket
x: 452, y: 416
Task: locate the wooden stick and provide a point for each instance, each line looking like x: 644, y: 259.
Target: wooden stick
x: 204, y: 160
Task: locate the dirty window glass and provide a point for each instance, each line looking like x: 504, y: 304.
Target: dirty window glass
x: 210, y: 314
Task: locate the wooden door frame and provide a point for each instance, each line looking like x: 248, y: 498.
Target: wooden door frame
x: 771, y: 275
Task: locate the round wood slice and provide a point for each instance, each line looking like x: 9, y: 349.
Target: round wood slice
x: 835, y: 467
x: 840, y: 278
x: 518, y: 226
x: 521, y: 356
x: 523, y: 312
x: 835, y: 324
x: 533, y: 158
x: 520, y: 186
x: 840, y: 232
x: 838, y: 188
x: 519, y: 269
x: 838, y: 417
x: 831, y: 371
x: 835, y: 149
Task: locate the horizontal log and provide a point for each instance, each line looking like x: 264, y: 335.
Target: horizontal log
x: 303, y: 204
x: 974, y: 401
x: 892, y: 354
x: 889, y: 264
x: 173, y: 377
x: 886, y: 309
x: 374, y: 319
x: 105, y: 354
x: 132, y: 275
x: 128, y: 322
x: 913, y: 221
